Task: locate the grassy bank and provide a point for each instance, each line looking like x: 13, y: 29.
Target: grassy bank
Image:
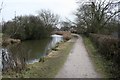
x: 101, y: 64
x: 0, y: 37
x: 49, y: 68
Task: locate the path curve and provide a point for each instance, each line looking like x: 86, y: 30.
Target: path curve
x: 78, y: 63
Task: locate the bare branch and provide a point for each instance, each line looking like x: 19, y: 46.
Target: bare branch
x: 110, y: 17
x: 1, y: 7
x: 48, y: 18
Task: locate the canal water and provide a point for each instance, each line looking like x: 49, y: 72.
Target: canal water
x: 32, y: 50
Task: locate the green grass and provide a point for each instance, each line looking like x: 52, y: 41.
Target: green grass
x: 101, y: 65
x: 50, y: 67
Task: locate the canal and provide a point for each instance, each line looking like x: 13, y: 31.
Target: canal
x: 32, y: 50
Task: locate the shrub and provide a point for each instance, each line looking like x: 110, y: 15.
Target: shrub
x: 107, y: 46
x: 27, y: 28
x: 66, y: 34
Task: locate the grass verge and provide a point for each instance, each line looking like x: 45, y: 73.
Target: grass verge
x: 102, y: 66
x: 47, y: 69
x: 0, y: 37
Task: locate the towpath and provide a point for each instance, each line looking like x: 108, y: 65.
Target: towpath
x: 78, y: 64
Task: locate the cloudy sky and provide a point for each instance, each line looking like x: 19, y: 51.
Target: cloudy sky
x: 64, y: 8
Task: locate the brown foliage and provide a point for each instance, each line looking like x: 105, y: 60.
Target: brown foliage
x: 107, y: 45
x: 66, y: 34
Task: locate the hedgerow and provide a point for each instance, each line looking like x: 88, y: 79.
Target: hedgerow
x: 108, y: 47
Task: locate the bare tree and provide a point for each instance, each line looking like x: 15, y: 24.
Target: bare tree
x: 65, y: 26
x: 96, y: 14
x: 48, y: 18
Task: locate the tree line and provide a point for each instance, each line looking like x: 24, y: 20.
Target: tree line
x: 98, y: 20
x: 98, y: 16
x: 31, y: 27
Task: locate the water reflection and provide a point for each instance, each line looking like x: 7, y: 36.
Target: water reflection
x: 32, y: 50
x: 56, y: 39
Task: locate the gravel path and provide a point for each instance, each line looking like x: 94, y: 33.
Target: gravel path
x: 78, y: 64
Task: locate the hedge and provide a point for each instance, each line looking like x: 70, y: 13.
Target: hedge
x: 108, y: 46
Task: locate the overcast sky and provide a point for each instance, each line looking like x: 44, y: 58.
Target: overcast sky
x: 64, y: 8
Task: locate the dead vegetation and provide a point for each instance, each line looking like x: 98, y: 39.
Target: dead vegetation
x: 66, y: 34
